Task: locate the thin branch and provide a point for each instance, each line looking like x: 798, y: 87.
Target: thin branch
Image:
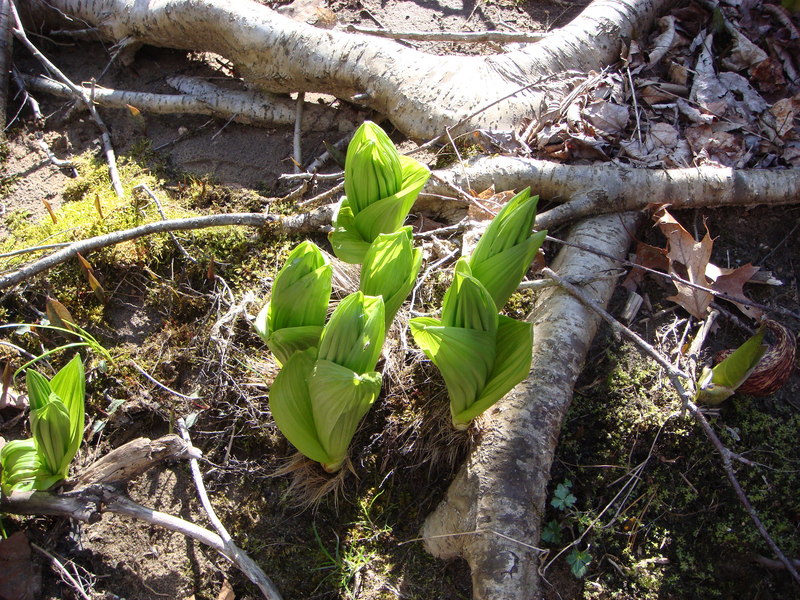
x: 295, y: 223
x: 297, y: 151
x: 675, y: 375
x: 76, y: 585
x: 232, y: 551
x: 80, y: 94
x: 146, y: 189
x: 453, y: 36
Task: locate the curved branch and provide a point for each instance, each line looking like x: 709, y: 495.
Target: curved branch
x: 298, y: 223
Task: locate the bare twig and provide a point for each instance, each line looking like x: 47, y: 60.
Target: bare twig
x: 297, y: 152
x: 232, y: 551
x: 5, y: 56
x: 675, y: 375
x: 311, y: 221
x: 77, y: 586
x: 80, y: 94
x: 146, y: 189
x: 453, y: 36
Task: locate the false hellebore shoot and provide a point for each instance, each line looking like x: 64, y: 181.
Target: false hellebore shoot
x: 380, y: 186
x: 57, y: 415
x: 482, y: 355
x: 292, y: 320
x: 320, y: 395
x: 390, y: 268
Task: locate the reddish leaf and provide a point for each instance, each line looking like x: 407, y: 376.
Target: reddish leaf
x: 647, y: 256
x: 18, y: 580
x: 731, y: 282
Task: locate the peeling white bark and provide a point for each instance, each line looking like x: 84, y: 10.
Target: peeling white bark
x: 422, y: 93
x: 499, y: 492
x: 596, y: 189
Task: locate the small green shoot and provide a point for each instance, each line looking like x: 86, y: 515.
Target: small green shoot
x: 563, y: 499
x: 579, y: 562
x: 720, y: 383
x: 551, y: 532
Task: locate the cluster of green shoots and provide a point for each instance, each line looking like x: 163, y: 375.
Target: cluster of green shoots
x: 56, y: 421
x: 328, y: 380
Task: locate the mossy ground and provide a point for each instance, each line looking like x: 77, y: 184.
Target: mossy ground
x: 663, y: 519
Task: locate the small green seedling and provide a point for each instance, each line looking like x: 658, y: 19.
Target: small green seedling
x: 578, y: 561
x: 716, y: 385
x: 563, y: 499
x: 56, y: 420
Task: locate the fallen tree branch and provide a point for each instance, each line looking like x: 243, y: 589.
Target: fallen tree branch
x: 297, y: 224
x: 242, y: 560
x: 80, y: 94
x: 132, y: 459
x: 453, y: 36
x: 199, y: 97
x: 88, y: 502
x: 597, y: 189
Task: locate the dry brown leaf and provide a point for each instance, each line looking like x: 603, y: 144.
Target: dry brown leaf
x: 688, y: 259
x: 226, y: 592
x: 731, y: 282
x: 647, y: 256
x: 59, y: 316
x: 18, y: 579
x: 489, y: 204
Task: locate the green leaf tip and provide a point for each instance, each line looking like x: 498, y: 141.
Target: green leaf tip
x: 380, y: 187
x: 716, y: 385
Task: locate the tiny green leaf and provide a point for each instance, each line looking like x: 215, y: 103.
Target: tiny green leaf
x: 579, y: 562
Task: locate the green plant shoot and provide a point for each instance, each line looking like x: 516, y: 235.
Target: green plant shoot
x: 293, y: 319
x: 481, y: 355
x: 716, y: 385
x: 507, y: 248
x: 321, y: 394
x: 380, y: 187
x: 57, y: 420
x: 390, y: 269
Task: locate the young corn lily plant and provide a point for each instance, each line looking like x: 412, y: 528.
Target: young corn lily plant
x: 390, y: 268
x: 507, y: 248
x: 57, y: 420
x: 482, y: 355
x: 380, y: 187
x: 321, y: 394
x: 716, y: 385
x: 293, y: 319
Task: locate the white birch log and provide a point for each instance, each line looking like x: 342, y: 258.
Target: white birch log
x: 422, y: 93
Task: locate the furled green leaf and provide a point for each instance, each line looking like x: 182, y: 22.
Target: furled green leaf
x: 339, y: 400
x: 390, y: 269
x: 512, y: 363
x: 506, y: 249
x: 465, y: 357
x: 302, y: 289
x: 353, y: 336
x: 720, y: 383
x: 285, y: 342
x: 371, y: 172
x: 69, y: 384
x: 50, y: 426
x: 20, y: 465
x: 299, y: 303
x: 290, y: 404
x: 38, y: 389
x: 372, y: 167
x: 467, y: 303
